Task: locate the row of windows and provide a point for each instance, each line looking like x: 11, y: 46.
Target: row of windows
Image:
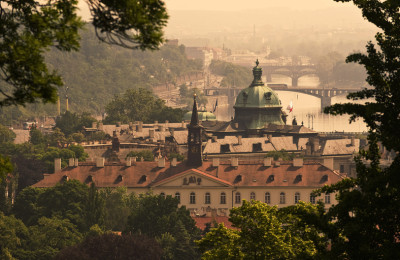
x: 238, y: 198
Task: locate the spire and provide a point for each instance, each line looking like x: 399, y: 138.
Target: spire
x: 195, y: 117
x: 257, y: 72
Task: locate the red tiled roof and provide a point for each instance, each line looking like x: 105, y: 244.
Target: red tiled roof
x: 202, y: 221
x: 147, y: 174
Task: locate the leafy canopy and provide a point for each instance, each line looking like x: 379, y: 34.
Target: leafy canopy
x: 29, y: 28
x: 366, y: 217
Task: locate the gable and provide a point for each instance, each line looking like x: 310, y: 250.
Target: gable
x: 192, y: 178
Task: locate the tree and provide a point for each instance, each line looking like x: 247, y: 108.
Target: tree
x: 6, y: 135
x: 31, y: 27
x: 366, y: 216
x: 156, y: 215
x: 13, y: 233
x: 113, y: 246
x: 147, y: 155
x: 140, y: 105
x: 70, y: 123
x: 6, y: 167
x: 262, y: 233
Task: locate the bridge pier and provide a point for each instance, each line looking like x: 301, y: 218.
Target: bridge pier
x: 326, y: 101
x: 269, y: 77
x: 295, y: 81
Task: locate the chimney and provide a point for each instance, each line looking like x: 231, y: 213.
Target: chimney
x: 239, y: 139
x: 215, y: 162
x: 315, y: 145
x: 353, y: 141
x: 128, y: 162
x: 267, y: 161
x: 94, y: 124
x: 183, y: 124
x: 71, y: 162
x: 100, y: 126
x: 277, y: 163
x: 269, y: 137
x: 161, y: 128
x: 174, y: 162
x: 328, y: 163
x: 139, y: 127
x: 130, y: 124
x: 155, y: 122
x: 57, y: 165
x: 133, y: 159
x: 161, y: 163
x: 166, y: 123
x: 172, y: 132
x: 76, y: 162
x: 234, y: 162
x: 236, y: 125
x: 118, y: 124
x: 297, y: 162
x: 100, y: 162
x: 151, y: 133
x: 214, y: 139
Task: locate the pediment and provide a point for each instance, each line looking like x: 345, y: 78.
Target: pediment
x: 192, y: 178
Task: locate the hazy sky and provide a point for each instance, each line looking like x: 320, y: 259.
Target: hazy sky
x: 237, y: 5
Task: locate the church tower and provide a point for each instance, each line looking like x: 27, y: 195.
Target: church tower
x: 194, y: 138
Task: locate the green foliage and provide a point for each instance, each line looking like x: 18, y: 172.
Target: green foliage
x: 36, y: 137
x: 140, y: 105
x: 179, y: 157
x: 187, y: 97
x: 13, y: 233
x: 282, y: 154
x: 147, y: 155
x: 234, y: 75
x: 366, y: 216
x: 6, y: 135
x: 6, y: 167
x: 264, y: 233
x: 70, y: 123
x: 158, y: 215
x: 32, y: 27
x: 113, y: 246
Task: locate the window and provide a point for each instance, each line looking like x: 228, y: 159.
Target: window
x: 252, y: 196
x: 178, y: 197
x: 257, y: 147
x: 341, y: 168
x: 192, y: 198
x: 267, y: 198
x: 327, y: 198
x: 312, y: 199
x: 296, y: 197
x: 282, y: 198
x: 162, y: 194
x: 225, y: 148
x: 207, y: 198
x: 223, y: 198
x: 237, y: 198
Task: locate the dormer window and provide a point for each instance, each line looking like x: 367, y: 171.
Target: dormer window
x: 225, y: 148
x: 270, y: 178
x: 268, y: 95
x: 257, y: 147
x: 245, y: 95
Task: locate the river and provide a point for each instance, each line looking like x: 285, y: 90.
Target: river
x: 307, y: 109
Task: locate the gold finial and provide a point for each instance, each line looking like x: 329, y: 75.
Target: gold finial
x: 194, y: 96
x: 257, y: 62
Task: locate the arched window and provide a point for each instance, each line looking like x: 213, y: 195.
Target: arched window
x: 267, y: 198
x: 223, y: 198
x: 207, y: 198
x: 162, y: 194
x: 282, y: 198
x: 252, y: 196
x: 192, y: 198
x: 178, y: 197
x: 327, y: 198
x: 237, y: 198
x: 296, y: 197
x: 312, y: 199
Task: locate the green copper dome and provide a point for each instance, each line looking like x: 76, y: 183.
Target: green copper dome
x: 258, y: 104
x: 203, y: 116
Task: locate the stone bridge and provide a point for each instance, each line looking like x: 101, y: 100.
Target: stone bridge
x: 325, y: 95
x: 290, y: 70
